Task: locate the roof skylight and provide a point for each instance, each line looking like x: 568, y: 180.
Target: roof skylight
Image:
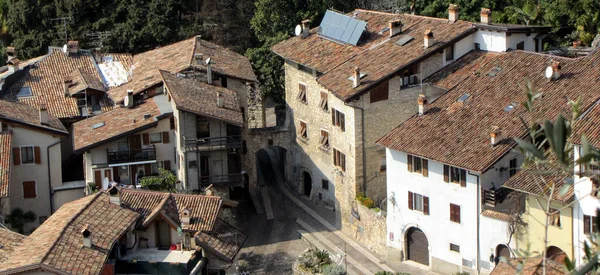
x: 98, y: 125
x: 463, y: 98
x: 510, y: 107
x: 25, y: 92
x: 494, y: 71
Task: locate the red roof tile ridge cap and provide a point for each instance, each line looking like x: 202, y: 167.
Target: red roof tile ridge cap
x: 62, y: 231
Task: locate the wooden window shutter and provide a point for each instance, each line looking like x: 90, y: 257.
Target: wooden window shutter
x: 463, y: 178
x: 446, y: 173
x: 29, y: 190
x: 586, y: 224
x: 425, y: 168
x: 147, y: 169
x: 343, y: 160
x: 333, y: 111
x: 410, y: 200
x: 165, y: 137
x: 38, y: 157
x: 172, y: 122
x: 145, y: 138
x: 425, y: 205
x: 167, y: 165
x: 343, y: 122
x: 17, y: 155
x: 98, y: 179
x: 451, y: 212
x: 409, y: 162
x: 380, y: 92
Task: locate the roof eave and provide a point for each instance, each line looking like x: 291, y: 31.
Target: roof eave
x: 40, y: 127
x: 141, y: 128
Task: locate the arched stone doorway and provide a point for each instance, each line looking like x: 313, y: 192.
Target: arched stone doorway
x: 502, y: 251
x: 556, y: 254
x: 417, y: 246
x: 307, y: 179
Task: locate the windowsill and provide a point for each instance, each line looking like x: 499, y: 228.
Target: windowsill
x: 326, y: 110
x: 325, y: 149
x: 304, y: 102
x: 303, y: 139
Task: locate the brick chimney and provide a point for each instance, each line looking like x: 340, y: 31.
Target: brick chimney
x: 43, y: 114
x: 73, y: 47
x: 305, y: 28
x: 13, y: 64
x: 452, y: 13
x: 185, y: 217
x: 220, y: 99
x: 395, y: 27
x: 486, y: 16
x: 422, y: 101
x: 555, y: 69
x: 428, y: 38
x: 11, y: 52
x: 66, y: 85
x: 495, y: 135
x: 87, y: 236
x: 356, y: 80
x: 114, y: 196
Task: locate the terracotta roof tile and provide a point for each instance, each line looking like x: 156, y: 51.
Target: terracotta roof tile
x: 531, y: 266
x: 81, y: 80
x: 46, y: 80
x: 5, y: 149
x: 459, y: 133
x: 588, y: 125
x: 224, y: 240
x: 9, y: 240
x: 58, y: 243
x: 113, y: 124
x: 203, y: 209
x: 201, y: 98
x: 25, y: 114
x: 529, y: 181
x: 376, y: 55
x: 496, y: 215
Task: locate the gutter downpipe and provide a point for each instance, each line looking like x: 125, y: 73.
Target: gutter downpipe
x: 364, y: 153
x: 50, y: 193
x: 478, y: 222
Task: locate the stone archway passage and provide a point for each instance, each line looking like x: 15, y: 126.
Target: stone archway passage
x: 502, y: 251
x: 417, y: 246
x: 556, y: 254
x: 307, y: 183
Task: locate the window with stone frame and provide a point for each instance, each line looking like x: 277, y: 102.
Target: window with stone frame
x: 554, y: 217
x: 324, y: 141
x: 417, y: 165
x: 323, y: 104
x: 339, y: 159
x: 303, y: 130
x: 302, y: 92
x: 589, y: 226
x: 27, y: 154
x: 455, y: 175
x: 338, y: 119
x: 418, y: 202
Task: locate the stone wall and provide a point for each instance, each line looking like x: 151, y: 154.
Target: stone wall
x: 368, y: 227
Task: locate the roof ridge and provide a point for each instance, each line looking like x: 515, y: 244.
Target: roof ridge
x: 62, y: 231
x: 408, y: 14
x: 164, y: 46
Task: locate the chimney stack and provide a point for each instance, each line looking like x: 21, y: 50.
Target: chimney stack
x: 73, y: 47
x: 114, y: 196
x: 66, y: 85
x: 452, y: 13
x: 555, y: 69
x: 209, y: 79
x: 422, y: 101
x: 128, y: 102
x: 356, y: 79
x: 395, y: 27
x: 220, y: 99
x: 87, y: 236
x: 428, y: 38
x: 43, y: 114
x: 305, y: 28
x: 185, y: 217
x: 495, y: 135
x: 11, y: 52
x: 486, y: 16
x: 199, y: 58
x: 13, y: 64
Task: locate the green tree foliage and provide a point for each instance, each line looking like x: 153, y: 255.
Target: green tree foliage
x: 165, y: 181
x: 19, y: 218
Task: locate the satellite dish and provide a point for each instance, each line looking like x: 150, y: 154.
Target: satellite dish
x: 549, y: 72
x: 105, y: 183
x: 65, y: 48
x: 208, y: 60
x: 298, y: 30
x: 126, y: 101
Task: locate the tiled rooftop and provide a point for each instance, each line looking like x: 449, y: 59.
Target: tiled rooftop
x: 224, y: 240
x: 116, y: 123
x: 198, y: 97
x: 588, y: 125
x: 58, y: 245
x: 530, y: 182
x: 25, y: 114
x: 5, y: 149
x: 377, y: 55
x: 531, y: 266
x: 458, y: 133
x: 9, y: 240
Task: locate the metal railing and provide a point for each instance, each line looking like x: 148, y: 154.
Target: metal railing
x: 132, y: 155
x: 214, y: 143
x: 227, y: 180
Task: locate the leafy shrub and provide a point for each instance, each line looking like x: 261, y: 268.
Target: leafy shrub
x: 368, y: 202
x: 361, y: 197
x: 334, y: 269
x: 164, y: 182
x: 322, y: 257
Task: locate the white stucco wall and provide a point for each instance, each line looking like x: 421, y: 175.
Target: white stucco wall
x: 515, y: 38
x: 490, y: 40
x: 584, y: 205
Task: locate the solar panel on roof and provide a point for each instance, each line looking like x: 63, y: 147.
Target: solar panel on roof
x: 404, y: 39
x: 341, y: 28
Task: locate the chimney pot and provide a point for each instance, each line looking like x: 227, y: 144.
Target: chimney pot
x: 453, y: 13
x: 43, y: 114
x: 73, y: 47
x: 395, y: 27
x: 87, y: 236
x: 114, y: 196
x: 356, y: 79
x: 486, y: 16
x: 495, y: 135
x: 423, y: 102
x: 305, y: 28
x: 428, y: 38
x: 220, y: 99
x: 555, y: 69
x: 185, y: 217
x: 128, y: 102
x: 13, y: 64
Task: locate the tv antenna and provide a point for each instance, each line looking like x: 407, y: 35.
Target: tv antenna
x: 98, y: 39
x: 64, y: 22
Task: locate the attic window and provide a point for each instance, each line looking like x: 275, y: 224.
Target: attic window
x: 510, y: 107
x: 493, y: 72
x: 463, y: 98
x: 24, y: 92
x: 98, y: 125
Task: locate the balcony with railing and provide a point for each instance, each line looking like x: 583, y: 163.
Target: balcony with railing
x: 213, y: 143
x: 131, y: 155
x: 228, y: 180
x: 501, y: 202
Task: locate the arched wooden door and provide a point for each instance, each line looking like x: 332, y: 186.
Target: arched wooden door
x: 417, y: 246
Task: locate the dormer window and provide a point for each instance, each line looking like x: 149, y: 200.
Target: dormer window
x: 24, y: 92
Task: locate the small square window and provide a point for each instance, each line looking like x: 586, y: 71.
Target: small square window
x: 324, y: 139
x: 193, y: 164
x: 156, y: 137
x: 325, y: 184
x: 454, y: 247
x: 27, y: 155
x: 455, y: 174
x: 303, y: 131
x: 323, y: 102
x: 302, y: 93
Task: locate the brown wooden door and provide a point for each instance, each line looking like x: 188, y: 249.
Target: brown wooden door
x: 204, y: 171
x: 135, y: 142
x: 98, y: 178
x: 163, y: 235
x: 417, y: 246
